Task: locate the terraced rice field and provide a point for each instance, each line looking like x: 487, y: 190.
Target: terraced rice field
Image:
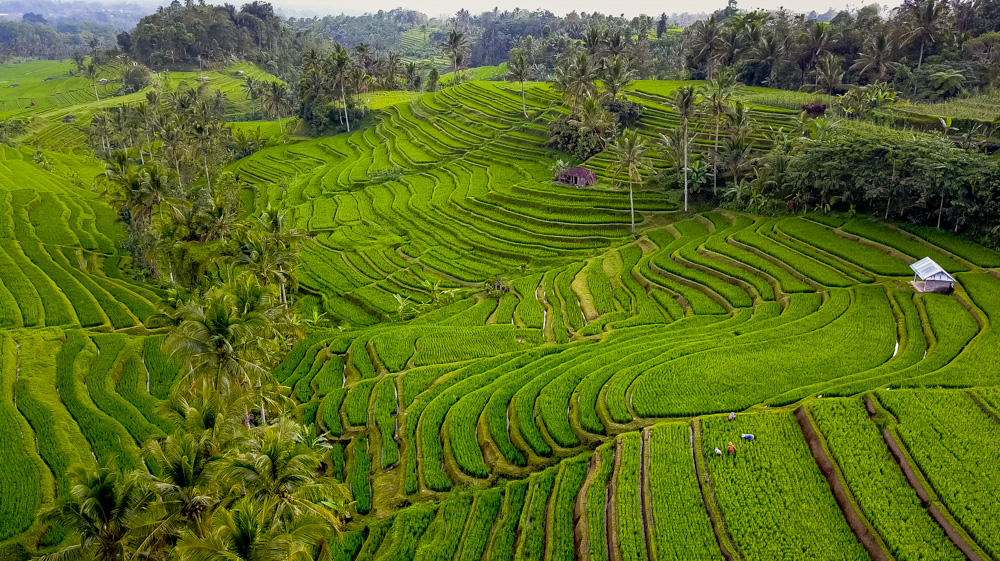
x: 575, y: 416
x: 545, y: 401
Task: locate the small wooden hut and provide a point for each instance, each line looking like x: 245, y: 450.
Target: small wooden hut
x: 103, y: 81
x: 928, y: 276
x: 577, y: 177
x: 69, y: 119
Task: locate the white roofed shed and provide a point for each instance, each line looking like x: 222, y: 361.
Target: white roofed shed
x: 928, y: 276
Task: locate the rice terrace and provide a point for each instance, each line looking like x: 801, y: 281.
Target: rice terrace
x: 391, y: 287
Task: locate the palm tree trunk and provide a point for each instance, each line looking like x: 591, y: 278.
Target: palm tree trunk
x: 631, y: 204
x: 715, y: 159
x: 208, y: 176
x: 95, y: 92
x: 343, y: 100
x: 920, y: 61
x: 281, y: 130
x: 940, y: 211
x: 685, y: 140
x: 177, y: 166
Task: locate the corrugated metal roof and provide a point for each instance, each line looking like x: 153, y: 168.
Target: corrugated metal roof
x: 926, y: 269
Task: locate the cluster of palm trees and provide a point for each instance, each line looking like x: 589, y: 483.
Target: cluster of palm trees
x: 578, y: 75
x: 776, y: 51
x: 218, y: 487
x: 715, y: 114
x: 272, y: 98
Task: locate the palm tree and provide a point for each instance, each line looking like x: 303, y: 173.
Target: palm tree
x: 685, y: 102
x: 719, y: 98
x: 92, y: 71
x: 270, y: 263
x: 769, y: 52
x: 391, y: 68
x: 275, y: 102
x: 630, y: 159
x: 219, y: 346
x: 575, y: 79
x: 277, y: 465
x: 183, y: 480
x: 107, y: 510
x: 339, y: 69
x: 829, y: 75
x: 705, y: 43
x: 205, y: 137
x: 453, y: 45
x: 249, y: 531
x: 173, y: 142
x: 876, y: 56
x: 616, y: 75
x: 928, y: 20
x: 818, y: 41
x: 518, y: 70
x: 252, y: 87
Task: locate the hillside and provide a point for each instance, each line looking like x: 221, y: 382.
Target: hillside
x: 503, y: 370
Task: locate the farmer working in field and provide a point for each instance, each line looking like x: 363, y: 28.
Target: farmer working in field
x: 731, y: 449
x: 747, y: 437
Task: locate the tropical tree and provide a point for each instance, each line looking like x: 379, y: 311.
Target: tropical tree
x: 928, y: 21
x: 616, y: 75
x: 454, y: 46
x: 630, y: 159
x: 575, y: 79
x: 518, y: 70
x: 876, y: 57
x: 221, y: 345
x: 685, y: 102
x: 829, y: 75
x: 719, y: 97
x: 275, y: 102
x: 92, y: 72
x: 109, y: 511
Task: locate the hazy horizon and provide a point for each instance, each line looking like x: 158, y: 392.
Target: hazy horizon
x: 436, y: 8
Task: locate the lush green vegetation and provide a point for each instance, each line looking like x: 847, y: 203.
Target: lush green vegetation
x: 411, y: 340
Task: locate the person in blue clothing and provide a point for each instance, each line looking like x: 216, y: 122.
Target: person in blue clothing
x: 748, y: 437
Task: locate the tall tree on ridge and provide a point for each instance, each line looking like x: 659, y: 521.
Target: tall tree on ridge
x: 630, y: 160
x: 518, y: 70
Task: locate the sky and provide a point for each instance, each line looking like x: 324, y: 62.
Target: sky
x: 560, y: 7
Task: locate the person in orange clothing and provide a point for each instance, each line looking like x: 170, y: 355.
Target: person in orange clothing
x: 731, y: 449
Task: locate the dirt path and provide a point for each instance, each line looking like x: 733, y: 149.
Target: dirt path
x: 707, y: 494
x: 854, y: 519
x: 644, y: 501
x: 611, y: 507
x: 925, y: 498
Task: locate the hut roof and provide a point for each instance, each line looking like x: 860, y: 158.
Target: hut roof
x: 926, y: 269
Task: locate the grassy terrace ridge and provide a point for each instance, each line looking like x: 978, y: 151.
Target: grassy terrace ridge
x: 575, y: 415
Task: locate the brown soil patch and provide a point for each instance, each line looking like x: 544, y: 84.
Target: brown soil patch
x: 861, y: 531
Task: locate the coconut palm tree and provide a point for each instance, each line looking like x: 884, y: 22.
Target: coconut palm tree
x: 685, y: 102
x: 829, y: 75
x: 616, y: 75
x: 876, y: 56
x: 575, y: 79
x: 338, y: 68
x: 518, y: 70
x: 248, y: 530
x: 183, y: 478
x: 275, y: 102
x: 391, y: 65
x: 769, y: 51
x: 92, y: 71
x: 107, y: 510
x: 629, y: 159
x: 220, y: 347
x: 277, y: 465
x: 455, y: 44
x: 719, y: 98
x: 173, y: 143
x: 928, y: 20
x: 706, y: 43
